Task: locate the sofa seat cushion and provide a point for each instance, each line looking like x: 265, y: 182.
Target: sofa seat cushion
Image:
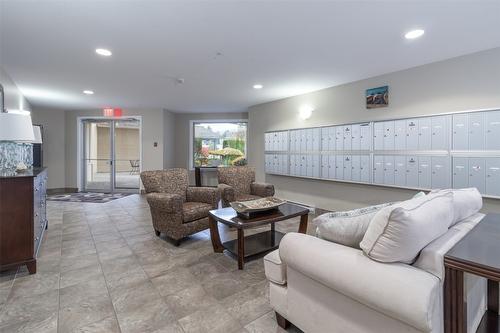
x: 195, y: 210
x: 346, y: 228
x: 275, y: 268
x: 245, y: 197
x: 400, y: 291
x: 398, y: 233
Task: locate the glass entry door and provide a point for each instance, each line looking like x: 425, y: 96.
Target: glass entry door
x: 111, y: 160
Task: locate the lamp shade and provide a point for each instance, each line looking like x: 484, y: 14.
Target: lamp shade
x: 16, y: 127
x: 38, y: 134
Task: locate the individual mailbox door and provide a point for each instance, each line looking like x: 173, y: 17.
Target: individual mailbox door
x: 365, y: 136
x: 303, y: 165
x: 355, y: 137
x: 424, y: 172
x: 476, y: 131
x: 339, y: 166
x: 378, y: 169
x: 365, y: 168
x: 325, y: 163
x: 493, y: 130
x: 266, y: 141
x: 309, y: 139
x: 378, y: 136
x: 355, y: 167
x: 412, y: 171
x: 316, y: 139
x: 284, y: 164
x: 477, y: 174
x: 493, y: 176
x: 440, y: 132
x: 411, y: 134
x: 400, y: 170
x: 309, y: 166
x: 339, y: 137
x: 303, y: 140
x: 291, y: 138
x: 388, y: 135
x: 424, y: 134
x: 389, y: 170
x: 316, y: 165
x: 460, y: 135
x: 460, y: 172
x: 347, y: 167
x: 279, y: 145
x: 331, y: 138
x: 400, y: 135
x: 291, y: 165
x: 347, y: 137
x: 266, y: 163
x: 331, y: 167
x: 324, y: 138
x: 440, y: 177
x: 284, y: 141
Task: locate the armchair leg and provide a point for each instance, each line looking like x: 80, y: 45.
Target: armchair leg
x: 282, y: 321
x: 157, y: 233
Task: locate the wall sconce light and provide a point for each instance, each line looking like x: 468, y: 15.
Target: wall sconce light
x: 305, y: 112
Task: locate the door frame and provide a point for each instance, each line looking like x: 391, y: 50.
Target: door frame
x: 81, y: 149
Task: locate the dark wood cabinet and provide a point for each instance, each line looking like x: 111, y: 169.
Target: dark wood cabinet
x: 23, y: 217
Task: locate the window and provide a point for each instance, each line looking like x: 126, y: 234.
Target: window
x: 218, y: 143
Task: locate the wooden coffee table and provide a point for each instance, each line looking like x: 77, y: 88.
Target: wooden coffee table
x: 253, y: 245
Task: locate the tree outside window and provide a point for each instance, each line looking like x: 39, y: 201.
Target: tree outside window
x: 220, y: 143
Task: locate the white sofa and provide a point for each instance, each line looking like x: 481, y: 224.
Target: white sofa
x: 321, y: 286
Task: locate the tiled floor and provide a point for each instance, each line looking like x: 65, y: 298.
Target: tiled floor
x: 101, y: 269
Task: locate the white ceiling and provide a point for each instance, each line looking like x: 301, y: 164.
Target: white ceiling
x: 291, y: 47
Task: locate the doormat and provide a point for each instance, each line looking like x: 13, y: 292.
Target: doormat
x: 87, y: 197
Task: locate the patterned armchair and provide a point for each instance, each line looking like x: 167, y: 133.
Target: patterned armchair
x: 238, y: 184
x: 177, y: 209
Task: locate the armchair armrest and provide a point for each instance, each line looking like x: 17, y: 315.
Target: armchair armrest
x: 209, y: 195
x: 227, y: 192
x: 170, y: 203
x: 262, y: 189
x: 397, y: 290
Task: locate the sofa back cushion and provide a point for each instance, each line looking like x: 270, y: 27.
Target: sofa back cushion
x: 466, y: 202
x: 239, y: 177
x: 173, y: 181
x: 398, y: 233
x: 346, y: 228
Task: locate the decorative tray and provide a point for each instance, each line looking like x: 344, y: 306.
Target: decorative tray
x: 257, y: 205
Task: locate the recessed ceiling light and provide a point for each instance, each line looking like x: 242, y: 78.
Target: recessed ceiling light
x: 88, y: 92
x: 414, y: 34
x: 258, y: 86
x: 103, y: 52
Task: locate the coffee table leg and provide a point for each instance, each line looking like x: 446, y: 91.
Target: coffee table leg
x: 241, y: 249
x: 214, y: 235
x: 303, y: 224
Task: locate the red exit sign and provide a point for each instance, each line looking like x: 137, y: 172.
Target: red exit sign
x: 112, y: 112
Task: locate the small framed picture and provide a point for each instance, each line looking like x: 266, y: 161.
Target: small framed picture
x: 377, y: 97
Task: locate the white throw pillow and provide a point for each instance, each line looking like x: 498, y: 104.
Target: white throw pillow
x: 466, y: 202
x: 398, y: 233
x: 346, y: 228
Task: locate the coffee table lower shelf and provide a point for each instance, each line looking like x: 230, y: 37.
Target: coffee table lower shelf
x: 256, y: 244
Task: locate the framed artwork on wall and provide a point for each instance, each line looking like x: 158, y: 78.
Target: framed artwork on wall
x: 377, y: 97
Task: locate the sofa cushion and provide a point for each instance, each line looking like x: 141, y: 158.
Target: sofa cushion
x: 195, y: 210
x: 466, y: 202
x: 346, y: 228
x: 398, y: 233
x: 275, y: 268
x: 431, y: 258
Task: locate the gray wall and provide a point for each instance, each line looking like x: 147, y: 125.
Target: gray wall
x: 182, y: 138
x: 14, y: 99
x: 168, y: 139
x: 54, y: 138
x: 463, y: 83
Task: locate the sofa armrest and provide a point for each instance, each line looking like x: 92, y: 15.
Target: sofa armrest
x: 262, y: 189
x: 226, y: 192
x: 169, y: 203
x: 209, y: 195
x: 397, y: 290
